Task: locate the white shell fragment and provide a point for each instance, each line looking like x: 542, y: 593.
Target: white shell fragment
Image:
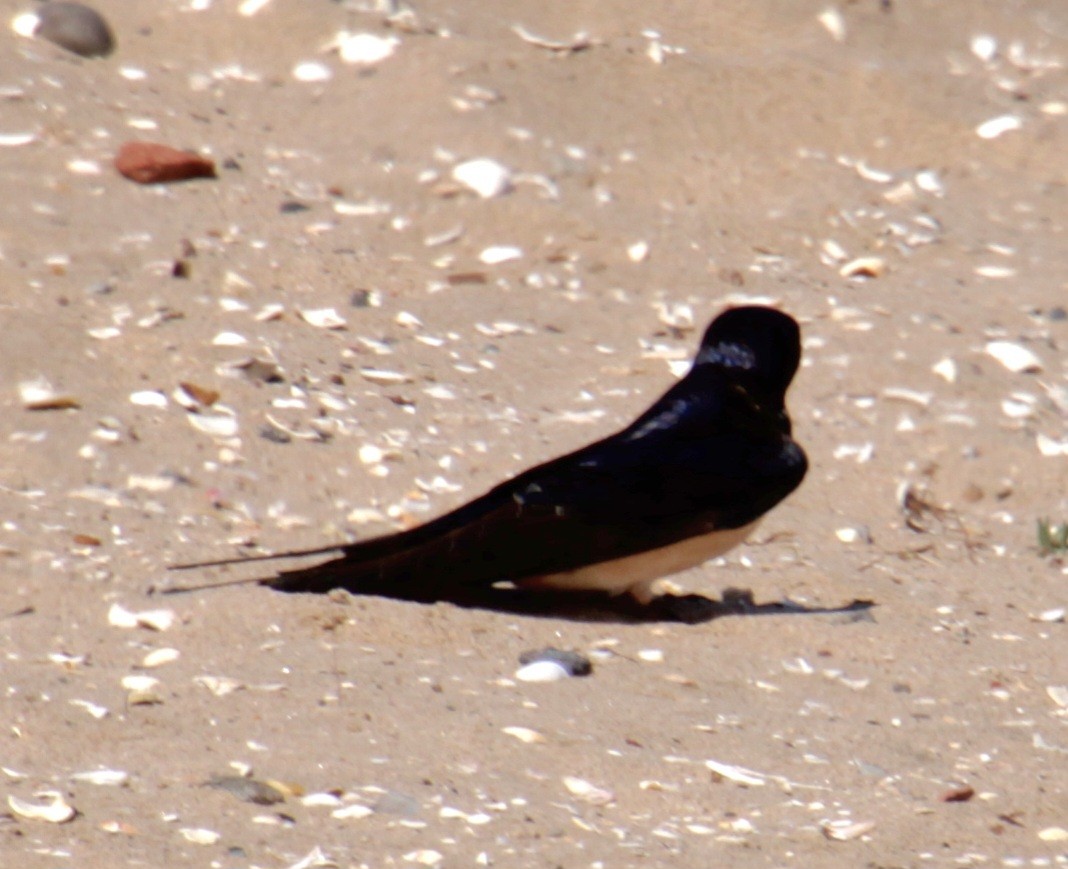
x: 322, y: 318
x: 102, y: 777
x: 995, y: 127
x: 499, y: 253
x: 1019, y: 405
x: 736, y: 774
x: 156, y: 620
x: 248, y: 8
x: 578, y: 42
x: 863, y: 267
x: 83, y: 167
x: 353, y: 812
x: 94, y: 709
x: 55, y: 811
x: 476, y: 818
x: 220, y: 686
x: 369, y: 454
x: 484, y: 176
x: 844, y: 830
x: 367, y: 208
x: 524, y: 734
x: 425, y: 857
x: 15, y: 140
x: 67, y: 662
x: 1053, y: 834
x: 910, y: 396
x: 229, y: 339
x: 446, y: 236
x: 38, y: 394
x: 381, y: 375
x: 216, y: 425
x: 408, y: 320
x: 675, y: 315
x: 929, y: 182
x: 995, y: 272
x: 833, y: 23
x: 25, y: 24
x: 159, y: 657
x: 588, y: 792
x: 312, y: 71
x: 365, y: 49
x: 321, y: 799
x: 946, y: 369
x: 869, y: 173
x: 847, y: 534
x: 542, y: 671
x: 148, y: 398
x: 638, y: 251
x: 1051, y: 448
x: 199, y: 835
x: 314, y: 858
x: 1016, y: 358
x: 139, y: 682
x: 984, y: 47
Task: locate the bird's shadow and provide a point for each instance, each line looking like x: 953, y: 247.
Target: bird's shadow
x: 599, y: 607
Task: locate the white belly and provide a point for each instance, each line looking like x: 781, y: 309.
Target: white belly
x: 636, y: 574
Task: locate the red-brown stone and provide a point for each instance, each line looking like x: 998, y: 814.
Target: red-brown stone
x: 151, y: 163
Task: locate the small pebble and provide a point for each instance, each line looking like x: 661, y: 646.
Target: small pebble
x: 960, y: 794
x: 152, y: 163
x: 75, y: 27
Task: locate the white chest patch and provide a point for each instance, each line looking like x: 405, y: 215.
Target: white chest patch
x: 636, y: 574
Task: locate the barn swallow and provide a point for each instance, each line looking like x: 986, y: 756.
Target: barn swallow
x: 684, y: 483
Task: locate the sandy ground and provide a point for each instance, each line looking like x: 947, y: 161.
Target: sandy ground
x: 758, y: 158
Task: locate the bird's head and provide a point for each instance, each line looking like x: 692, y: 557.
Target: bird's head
x: 760, y: 347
